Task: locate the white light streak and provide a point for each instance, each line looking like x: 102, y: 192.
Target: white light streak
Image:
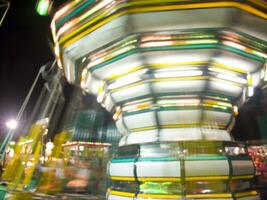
x: 178, y: 74
x: 232, y: 78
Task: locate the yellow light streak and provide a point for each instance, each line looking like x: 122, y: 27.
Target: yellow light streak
x: 241, y: 6
x: 69, y: 39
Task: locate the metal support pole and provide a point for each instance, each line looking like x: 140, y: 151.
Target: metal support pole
x: 10, y: 133
x: 7, y: 5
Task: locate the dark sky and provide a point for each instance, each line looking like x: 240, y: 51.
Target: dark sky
x: 25, y: 48
x: 24, y: 45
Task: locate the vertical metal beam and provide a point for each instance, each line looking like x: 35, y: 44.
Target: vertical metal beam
x: 7, y: 5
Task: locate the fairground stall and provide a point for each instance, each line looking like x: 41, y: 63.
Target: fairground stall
x: 258, y: 151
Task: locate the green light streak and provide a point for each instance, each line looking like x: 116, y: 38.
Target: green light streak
x: 43, y: 7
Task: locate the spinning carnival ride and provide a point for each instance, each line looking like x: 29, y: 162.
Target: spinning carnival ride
x: 174, y: 73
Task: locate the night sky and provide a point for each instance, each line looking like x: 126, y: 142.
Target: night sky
x: 25, y: 37
x: 24, y: 49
